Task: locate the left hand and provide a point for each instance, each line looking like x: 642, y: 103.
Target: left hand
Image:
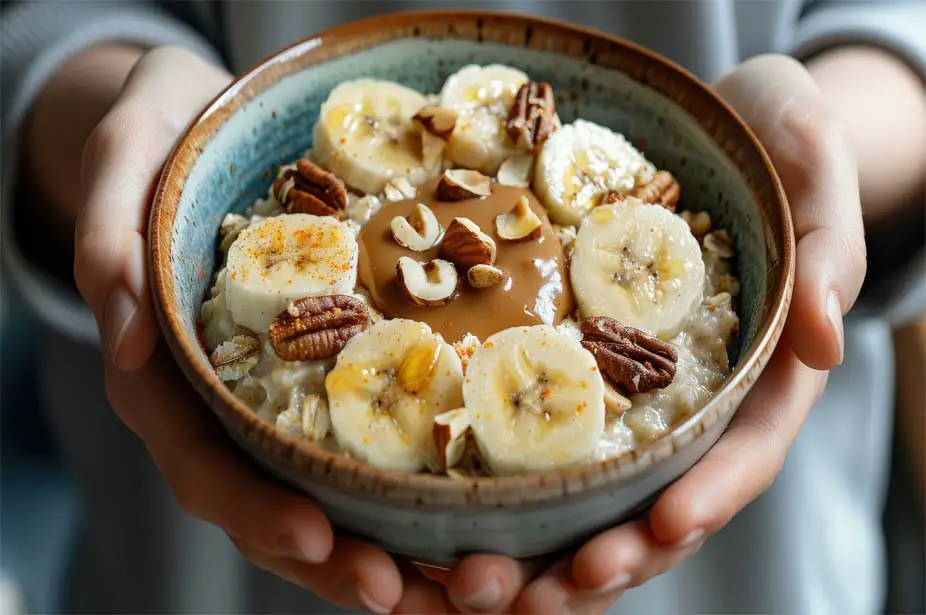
x: 784, y: 107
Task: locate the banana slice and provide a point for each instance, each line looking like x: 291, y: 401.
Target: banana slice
x: 365, y: 135
x: 482, y: 95
x: 283, y: 258
x: 638, y: 264
x: 535, y: 399
x: 387, y: 386
x: 580, y: 163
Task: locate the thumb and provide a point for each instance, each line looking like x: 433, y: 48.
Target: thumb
x: 121, y: 161
x: 805, y: 140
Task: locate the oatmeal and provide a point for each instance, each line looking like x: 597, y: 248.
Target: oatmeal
x: 458, y: 283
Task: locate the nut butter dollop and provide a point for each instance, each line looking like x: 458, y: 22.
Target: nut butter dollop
x: 536, y: 292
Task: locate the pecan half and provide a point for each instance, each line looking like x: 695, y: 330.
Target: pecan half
x: 531, y: 119
x: 317, y: 327
x: 309, y: 189
x: 632, y: 360
x: 663, y: 190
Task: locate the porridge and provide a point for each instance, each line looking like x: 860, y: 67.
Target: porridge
x: 458, y: 283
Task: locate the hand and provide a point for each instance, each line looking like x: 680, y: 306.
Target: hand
x: 781, y: 103
x: 274, y: 528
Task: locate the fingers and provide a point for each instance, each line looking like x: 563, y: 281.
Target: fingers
x: 489, y: 583
x: 356, y: 576
x: 782, y: 104
x: 745, y: 461
x: 420, y: 593
x: 121, y: 161
x: 208, y: 479
x: 605, y: 567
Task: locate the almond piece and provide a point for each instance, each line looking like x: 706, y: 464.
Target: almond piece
x: 462, y: 184
x: 519, y: 223
x: 399, y: 189
x: 450, y: 437
x: 439, y: 121
x: 418, y: 232
x: 516, y: 171
x: 433, y: 283
x: 485, y: 276
x: 466, y: 245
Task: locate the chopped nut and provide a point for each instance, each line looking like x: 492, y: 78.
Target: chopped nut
x: 466, y: 245
x: 462, y: 184
x: 633, y: 361
x: 465, y: 347
x: 232, y: 225
x: 399, y: 189
x: 485, y: 276
x: 316, y: 418
x: 566, y: 235
x: 450, y: 437
x: 720, y: 243
x: 699, y: 223
x: 439, y: 121
x: 419, y: 232
x: 719, y: 300
x: 433, y: 283
x: 309, y: 189
x: 516, y: 171
x: 614, y: 402
x: 519, y: 223
x: 233, y: 359
x: 418, y: 367
x: 313, y: 328
x: 729, y: 284
x: 530, y: 120
x: 364, y: 208
x: 662, y: 189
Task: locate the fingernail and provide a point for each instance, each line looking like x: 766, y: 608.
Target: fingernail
x: 369, y: 604
x: 121, y: 308
x: 620, y: 581
x: 486, y: 598
x: 834, y: 313
x: 692, y: 537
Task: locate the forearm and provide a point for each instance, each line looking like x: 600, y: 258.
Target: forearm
x: 71, y: 104
x: 883, y: 102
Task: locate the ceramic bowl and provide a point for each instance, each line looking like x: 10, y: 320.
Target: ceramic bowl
x: 227, y: 157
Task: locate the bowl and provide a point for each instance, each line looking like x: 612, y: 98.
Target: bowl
x: 228, y: 156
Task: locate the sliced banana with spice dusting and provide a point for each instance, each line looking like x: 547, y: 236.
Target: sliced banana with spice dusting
x: 388, y: 385
x: 639, y: 265
x: 535, y: 399
x: 365, y: 135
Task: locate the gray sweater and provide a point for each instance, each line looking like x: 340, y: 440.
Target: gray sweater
x: 813, y: 542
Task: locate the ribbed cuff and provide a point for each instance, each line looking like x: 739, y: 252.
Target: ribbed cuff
x: 35, y: 39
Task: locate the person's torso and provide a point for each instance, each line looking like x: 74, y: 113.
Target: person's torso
x: 708, y: 37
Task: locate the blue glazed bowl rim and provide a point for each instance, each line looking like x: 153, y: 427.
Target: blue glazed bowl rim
x: 670, y: 80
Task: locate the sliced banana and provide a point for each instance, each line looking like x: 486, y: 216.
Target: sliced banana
x: 482, y: 95
x: 535, y: 399
x: 388, y: 385
x: 580, y: 163
x: 638, y: 264
x: 365, y: 135
x: 283, y: 258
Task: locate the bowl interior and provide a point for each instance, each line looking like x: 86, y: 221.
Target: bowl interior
x: 237, y: 165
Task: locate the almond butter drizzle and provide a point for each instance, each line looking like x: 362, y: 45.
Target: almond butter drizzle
x: 537, y: 289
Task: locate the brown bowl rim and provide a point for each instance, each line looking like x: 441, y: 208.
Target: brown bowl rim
x: 321, y: 464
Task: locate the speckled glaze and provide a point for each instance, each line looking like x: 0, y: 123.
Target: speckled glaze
x: 227, y: 157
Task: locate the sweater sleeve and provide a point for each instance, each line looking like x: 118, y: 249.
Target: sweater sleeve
x: 898, y: 26
x: 35, y: 39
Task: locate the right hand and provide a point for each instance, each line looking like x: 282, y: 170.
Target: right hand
x: 276, y: 529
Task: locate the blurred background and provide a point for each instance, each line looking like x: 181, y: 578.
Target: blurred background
x: 47, y: 534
